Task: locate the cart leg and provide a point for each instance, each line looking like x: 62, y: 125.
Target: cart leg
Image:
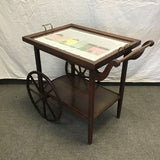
x: 90, y: 107
x: 40, y: 81
x: 72, y: 69
x: 122, y: 85
x: 38, y: 59
x: 38, y: 66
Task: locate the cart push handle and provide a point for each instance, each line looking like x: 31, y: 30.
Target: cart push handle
x: 131, y: 56
x: 135, y: 54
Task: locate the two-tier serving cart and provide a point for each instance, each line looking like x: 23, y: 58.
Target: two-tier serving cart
x: 85, y: 51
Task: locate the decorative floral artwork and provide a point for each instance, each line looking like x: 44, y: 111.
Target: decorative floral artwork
x: 76, y: 43
x: 81, y: 43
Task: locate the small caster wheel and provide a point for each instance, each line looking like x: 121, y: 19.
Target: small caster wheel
x: 43, y: 95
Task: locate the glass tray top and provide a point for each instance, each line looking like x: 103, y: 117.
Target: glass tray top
x: 81, y: 43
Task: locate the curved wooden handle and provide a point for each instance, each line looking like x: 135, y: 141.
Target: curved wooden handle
x: 133, y: 55
x: 136, y: 53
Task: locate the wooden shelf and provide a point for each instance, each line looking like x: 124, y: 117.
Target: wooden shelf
x: 73, y: 92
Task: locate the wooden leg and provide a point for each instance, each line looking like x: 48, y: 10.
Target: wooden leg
x: 91, y: 107
x: 40, y: 81
x: 122, y: 85
x: 38, y: 66
x: 38, y: 59
x: 72, y: 69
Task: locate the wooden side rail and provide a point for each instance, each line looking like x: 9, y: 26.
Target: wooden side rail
x: 131, y: 56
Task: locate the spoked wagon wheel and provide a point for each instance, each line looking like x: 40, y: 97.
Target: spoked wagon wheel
x: 79, y: 71
x: 44, y: 96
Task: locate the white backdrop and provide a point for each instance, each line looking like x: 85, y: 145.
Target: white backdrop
x: 133, y: 18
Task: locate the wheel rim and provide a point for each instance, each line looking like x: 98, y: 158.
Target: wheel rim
x: 44, y: 97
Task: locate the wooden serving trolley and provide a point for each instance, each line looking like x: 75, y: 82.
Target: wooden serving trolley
x: 85, y: 51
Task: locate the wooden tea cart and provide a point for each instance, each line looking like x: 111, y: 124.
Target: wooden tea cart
x: 85, y: 51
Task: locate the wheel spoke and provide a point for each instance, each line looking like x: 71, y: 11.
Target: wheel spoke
x: 38, y: 100
x: 80, y: 69
x: 49, y: 91
x: 34, y: 91
x: 35, y: 83
x: 52, y: 102
x: 49, y: 94
x: 50, y: 110
x: 84, y: 71
x: 76, y: 70
x: 55, y: 97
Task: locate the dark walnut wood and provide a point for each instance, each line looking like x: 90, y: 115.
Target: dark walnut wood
x: 78, y: 70
x: 115, y: 63
x: 78, y: 90
x: 75, y: 59
x: 74, y: 94
x: 44, y: 96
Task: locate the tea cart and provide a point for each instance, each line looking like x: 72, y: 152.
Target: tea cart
x: 85, y: 51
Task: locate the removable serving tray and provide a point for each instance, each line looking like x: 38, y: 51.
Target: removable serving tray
x: 84, y: 46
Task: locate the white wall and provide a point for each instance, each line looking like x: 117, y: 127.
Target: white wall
x: 134, y: 18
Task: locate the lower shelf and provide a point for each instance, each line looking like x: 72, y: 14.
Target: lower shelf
x: 73, y: 92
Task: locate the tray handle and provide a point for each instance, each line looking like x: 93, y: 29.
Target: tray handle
x: 45, y: 26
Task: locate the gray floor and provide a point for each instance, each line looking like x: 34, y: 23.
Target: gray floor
x: 24, y: 135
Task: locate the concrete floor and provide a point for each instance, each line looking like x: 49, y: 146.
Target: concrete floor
x: 24, y: 135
